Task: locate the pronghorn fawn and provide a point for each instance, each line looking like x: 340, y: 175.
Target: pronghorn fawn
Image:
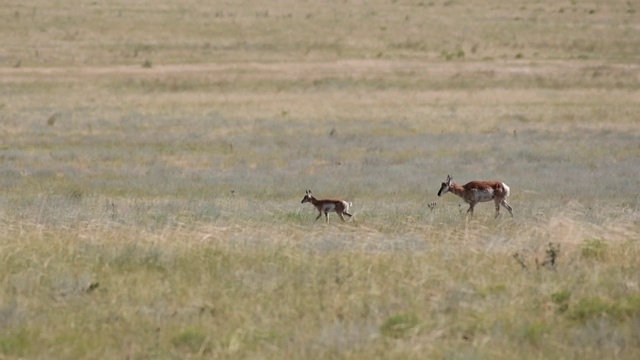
x: 325, y: 206
x: 479, y: 191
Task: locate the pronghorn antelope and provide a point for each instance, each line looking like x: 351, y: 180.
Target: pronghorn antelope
x: 341, y: 207
x: 479, y: 191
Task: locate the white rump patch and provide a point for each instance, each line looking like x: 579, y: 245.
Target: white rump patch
x: 507, y: 191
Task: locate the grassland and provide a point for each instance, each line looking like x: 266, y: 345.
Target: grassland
x: 154, y: 155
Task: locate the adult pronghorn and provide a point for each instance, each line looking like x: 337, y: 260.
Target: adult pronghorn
x: 479, y: 191
x: 325, y: 206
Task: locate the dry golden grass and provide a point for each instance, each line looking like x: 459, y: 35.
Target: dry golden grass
x: 154, y: 155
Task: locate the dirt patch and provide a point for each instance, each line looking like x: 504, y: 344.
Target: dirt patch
x: 343, y: 68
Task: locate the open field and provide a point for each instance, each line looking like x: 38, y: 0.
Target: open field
x: 154, y: 156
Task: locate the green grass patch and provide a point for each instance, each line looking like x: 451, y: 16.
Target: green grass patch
x: 561, y: 299
x: 17, y: 343
x: 192, y: 341
x: 595, y: 249
x: 399, y: 326
x: 593, y: 308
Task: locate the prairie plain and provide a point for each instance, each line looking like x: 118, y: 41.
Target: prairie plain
x: 154, y: 156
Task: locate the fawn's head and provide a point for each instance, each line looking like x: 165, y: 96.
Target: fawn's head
x: 307, y: 197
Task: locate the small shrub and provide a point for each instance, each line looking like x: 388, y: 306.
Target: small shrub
x: 533, y: 333
x: 51, y: 120
x: 147, y: 64
x: 632, y: 306
x: 399, y: 325
x: 561, y: 299
x: 520, y: 259
x: 75, y: 194
x: 458, y: 54
x: 551, y: 254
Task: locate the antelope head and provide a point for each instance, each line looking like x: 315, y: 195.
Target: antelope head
x: 446, y: 186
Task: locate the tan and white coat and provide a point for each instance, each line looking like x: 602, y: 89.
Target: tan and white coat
x: 325, y: 206
x: 479, y: 191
